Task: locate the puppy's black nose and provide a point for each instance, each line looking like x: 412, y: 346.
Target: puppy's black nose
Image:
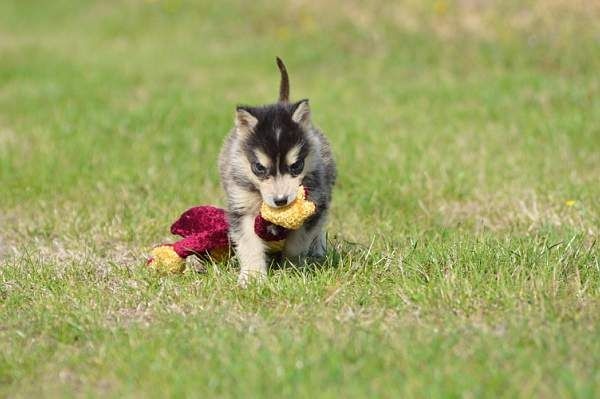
x: 280, y: 201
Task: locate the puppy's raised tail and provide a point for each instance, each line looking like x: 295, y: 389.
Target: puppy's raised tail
x: 284, y: 85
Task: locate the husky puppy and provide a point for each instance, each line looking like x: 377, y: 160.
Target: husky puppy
x: 271, y: 150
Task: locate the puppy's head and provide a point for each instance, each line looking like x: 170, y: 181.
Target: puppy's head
x: 276, y: 144
x: 277, y: 147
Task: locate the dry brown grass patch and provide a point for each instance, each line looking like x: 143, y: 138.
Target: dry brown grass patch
x: 524, y: 210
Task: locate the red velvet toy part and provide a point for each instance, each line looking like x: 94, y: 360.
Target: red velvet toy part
x: 203, y: 229
x: 269, y: 231
x: 200, y: 219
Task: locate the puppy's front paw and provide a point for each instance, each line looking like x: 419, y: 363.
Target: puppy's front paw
x: 248, y: 277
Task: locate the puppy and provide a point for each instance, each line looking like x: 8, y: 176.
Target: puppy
x: 271, y: 150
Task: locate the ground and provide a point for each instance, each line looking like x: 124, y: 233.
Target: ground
x: 463, y: 258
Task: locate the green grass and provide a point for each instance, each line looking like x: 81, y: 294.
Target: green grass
x: 457, y: 266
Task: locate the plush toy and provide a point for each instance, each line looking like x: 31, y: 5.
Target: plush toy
x: 205, y: 233
x: 291, y: 217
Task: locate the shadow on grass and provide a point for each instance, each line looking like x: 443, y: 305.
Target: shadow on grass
x: 340, y: 253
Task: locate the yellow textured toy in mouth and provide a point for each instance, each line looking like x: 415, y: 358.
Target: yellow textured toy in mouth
x: 291, y: 216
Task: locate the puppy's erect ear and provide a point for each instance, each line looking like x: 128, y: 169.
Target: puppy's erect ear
x: 301, y: 113
x: 245, y: 122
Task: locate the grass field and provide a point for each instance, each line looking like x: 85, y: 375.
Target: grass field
x: 463, y: 255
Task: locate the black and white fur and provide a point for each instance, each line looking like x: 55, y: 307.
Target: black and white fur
x: 270, y: 152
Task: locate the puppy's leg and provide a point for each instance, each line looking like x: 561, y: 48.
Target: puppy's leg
x: 305, y: 242
x: 318, y: 248
x: 250, y: 251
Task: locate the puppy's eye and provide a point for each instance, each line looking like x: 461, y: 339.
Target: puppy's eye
x: 258, y: 169
x: 297, y: 167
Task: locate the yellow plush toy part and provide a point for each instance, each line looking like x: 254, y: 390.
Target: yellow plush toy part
x: 291, y: 216
x: 166, y: 261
